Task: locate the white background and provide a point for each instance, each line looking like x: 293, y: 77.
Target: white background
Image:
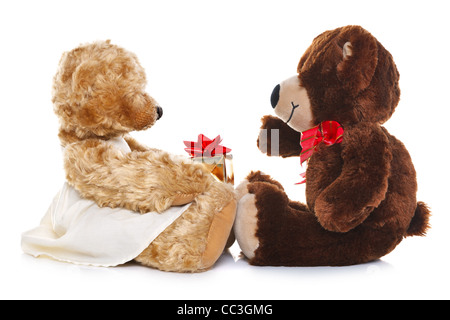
x: 212, y: 66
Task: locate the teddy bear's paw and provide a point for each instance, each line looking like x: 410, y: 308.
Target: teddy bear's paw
x: 245, y: 225
x: 337, y: 218
x: 263, y: 143
x: 182, y: 199
x: 254, y: 176
x: 259, y: 176
x: 242, y: 189
x: 218, y: 235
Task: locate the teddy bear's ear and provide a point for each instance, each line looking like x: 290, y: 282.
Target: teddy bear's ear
x: 347, y: 50
x: 359, y: 60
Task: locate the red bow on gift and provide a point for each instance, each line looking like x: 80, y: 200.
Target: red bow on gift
x: 205, y: 147
x: 328, y: 132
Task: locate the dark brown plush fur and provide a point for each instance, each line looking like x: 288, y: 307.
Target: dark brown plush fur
x: 361, y: 193
x: 290, y: 146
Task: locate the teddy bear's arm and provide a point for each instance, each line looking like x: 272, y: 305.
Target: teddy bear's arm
x: 139, y: 181
x: 284, y: 141
x: 136, y: 146
x: 363, y: 181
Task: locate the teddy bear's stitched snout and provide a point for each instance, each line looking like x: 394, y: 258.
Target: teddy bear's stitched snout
x: 144, y: 110
x: 291, y: 104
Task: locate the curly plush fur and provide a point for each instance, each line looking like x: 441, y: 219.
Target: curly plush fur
x: 98, y: 94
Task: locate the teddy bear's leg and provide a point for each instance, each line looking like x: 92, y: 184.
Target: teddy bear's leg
x: 197, y: 238
x: 272, y: 230
x: 246, y: 224
x: 246, y: 218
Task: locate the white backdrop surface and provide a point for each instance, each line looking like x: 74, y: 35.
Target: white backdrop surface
x: 212, y: 66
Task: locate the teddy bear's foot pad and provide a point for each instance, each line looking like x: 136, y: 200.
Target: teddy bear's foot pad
x: 246, y: 224
x: 218, y: 235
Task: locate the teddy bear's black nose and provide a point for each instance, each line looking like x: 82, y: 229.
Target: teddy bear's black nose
x: 159, y: 110
x: 275, y: 96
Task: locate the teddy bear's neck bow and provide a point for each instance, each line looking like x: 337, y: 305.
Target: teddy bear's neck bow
x: 328, y: 132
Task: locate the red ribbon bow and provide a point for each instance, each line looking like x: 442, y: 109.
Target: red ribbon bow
x: 328, y: 132
x: 205, y: 147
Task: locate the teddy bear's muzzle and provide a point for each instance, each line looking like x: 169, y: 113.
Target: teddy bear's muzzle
x: 145, y: 118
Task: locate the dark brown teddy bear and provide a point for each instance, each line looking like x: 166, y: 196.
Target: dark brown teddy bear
x: 360, y: 181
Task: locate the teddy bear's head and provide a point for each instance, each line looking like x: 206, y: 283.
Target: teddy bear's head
x: 346, y: 75
x: 98, y: 91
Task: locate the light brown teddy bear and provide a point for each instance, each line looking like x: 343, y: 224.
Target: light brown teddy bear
x: 122, y: 200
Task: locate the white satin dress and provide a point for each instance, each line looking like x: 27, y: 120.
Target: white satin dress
x: 78, y: 231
